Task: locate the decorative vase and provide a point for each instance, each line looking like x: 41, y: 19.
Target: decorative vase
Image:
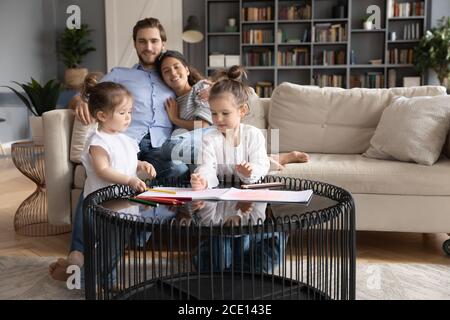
x: 368, y: 25
x: 37, y: 129
x: 74, y: 78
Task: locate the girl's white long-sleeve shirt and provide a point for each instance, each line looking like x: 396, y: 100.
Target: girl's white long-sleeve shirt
x: 219, y: 157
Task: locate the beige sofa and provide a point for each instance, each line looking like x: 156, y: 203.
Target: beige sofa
x: 333, y: 125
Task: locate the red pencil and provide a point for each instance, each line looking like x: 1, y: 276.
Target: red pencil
x: 171, y: 201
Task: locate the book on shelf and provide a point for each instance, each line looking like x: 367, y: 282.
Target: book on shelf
x: 374, y: 80
x: 257, y: 36
x: 264, y: 89
x: 401, y: 56
x: 257, y: 13
x: 327, y: 32
x: 294, y: 57
x: 330, y: 58
x: 405, y: 9
x: 295, y: 12
x: 282, y: 37
x: 411, y: 31
x: 258, y: 57
x: 329, y: 80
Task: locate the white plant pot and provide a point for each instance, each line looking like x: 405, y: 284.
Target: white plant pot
x: 37, y: 129
x: 367, y: 25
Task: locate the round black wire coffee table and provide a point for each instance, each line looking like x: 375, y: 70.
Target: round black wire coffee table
x: 221, y: 249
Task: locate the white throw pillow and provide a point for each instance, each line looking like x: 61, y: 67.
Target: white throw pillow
x: 412, y: 130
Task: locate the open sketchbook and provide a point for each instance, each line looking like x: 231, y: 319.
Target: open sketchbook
x: 232, y: 194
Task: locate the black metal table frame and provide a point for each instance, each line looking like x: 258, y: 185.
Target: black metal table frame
x: 324, y: 278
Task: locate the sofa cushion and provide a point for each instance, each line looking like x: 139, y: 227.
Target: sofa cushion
x: 80, y: 133
x: 412, y: 129
x: 256, y: 117
x: 79, y: 177
x: 359, y: 174
x: 332, y: 120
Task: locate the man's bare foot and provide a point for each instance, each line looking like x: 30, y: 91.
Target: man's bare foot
x: 293, y: 157
x: 58, y: 268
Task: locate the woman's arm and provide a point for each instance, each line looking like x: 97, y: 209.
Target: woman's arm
x: 174, y: 116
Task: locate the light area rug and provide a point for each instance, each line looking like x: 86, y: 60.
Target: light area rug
x: 27, y: 278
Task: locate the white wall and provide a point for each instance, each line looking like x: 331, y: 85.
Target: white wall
x: 27, y: 37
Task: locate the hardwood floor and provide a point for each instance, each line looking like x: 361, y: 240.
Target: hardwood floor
x: 381, y: 247
x: 14, y: 188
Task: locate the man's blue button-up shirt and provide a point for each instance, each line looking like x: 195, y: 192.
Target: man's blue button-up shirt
x: 149, y: 94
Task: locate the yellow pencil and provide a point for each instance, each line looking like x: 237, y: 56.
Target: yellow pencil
x: 161, y: 190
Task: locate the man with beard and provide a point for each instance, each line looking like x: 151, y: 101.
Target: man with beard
x: 150, y: 125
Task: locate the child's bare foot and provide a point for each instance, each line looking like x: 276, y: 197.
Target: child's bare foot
x: 58, y: 268
x: 293, y: 157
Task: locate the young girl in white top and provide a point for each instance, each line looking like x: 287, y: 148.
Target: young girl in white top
x: 110, y: 156
x: 232, y: 148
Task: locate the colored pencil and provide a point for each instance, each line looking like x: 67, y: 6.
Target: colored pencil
x: 166, y: 200
x: 150, y: 198
x: 160, y: 190
x: 141, y: 201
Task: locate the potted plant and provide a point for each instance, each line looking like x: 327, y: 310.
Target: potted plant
x: 38, y: 99
x: 367, y: 24
x: 433, y: 51
x: 74, y: 46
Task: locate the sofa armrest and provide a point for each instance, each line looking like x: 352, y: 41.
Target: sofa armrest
x: 58, y: 126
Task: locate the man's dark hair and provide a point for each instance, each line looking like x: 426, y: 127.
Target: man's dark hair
x: 149, y: 23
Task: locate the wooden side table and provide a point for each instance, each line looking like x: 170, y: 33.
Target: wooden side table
x: 31, y: 218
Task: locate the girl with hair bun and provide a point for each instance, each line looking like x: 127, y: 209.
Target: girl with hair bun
x: 109, y: 156
x: 106, y: 156
x: 190, y: 110
x: 232, y: 148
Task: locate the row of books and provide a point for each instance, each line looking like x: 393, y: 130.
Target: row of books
x: 258, y: 58
x: 257, y: 36
x: 401, y: 56
x: 330, y: 57
x: 264, y: 89
x: 411, y: 31
x: 282, y: 37
x: 295, y: 57
x: 295, y: 12
x: 327, y: 32
x: 257, y: 14
x: 405, y: 9
x: 329, y: 80
x: 367, y: 80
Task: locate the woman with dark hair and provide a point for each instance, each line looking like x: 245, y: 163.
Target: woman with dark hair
x: 189, y: 111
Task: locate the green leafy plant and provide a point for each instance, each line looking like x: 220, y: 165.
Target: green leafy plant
x: 366, y: 17
x: 433, y: 50
x: 74, y: 46
x: 37, y: 98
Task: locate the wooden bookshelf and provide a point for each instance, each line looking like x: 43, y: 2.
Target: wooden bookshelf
x: 298, y: 28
